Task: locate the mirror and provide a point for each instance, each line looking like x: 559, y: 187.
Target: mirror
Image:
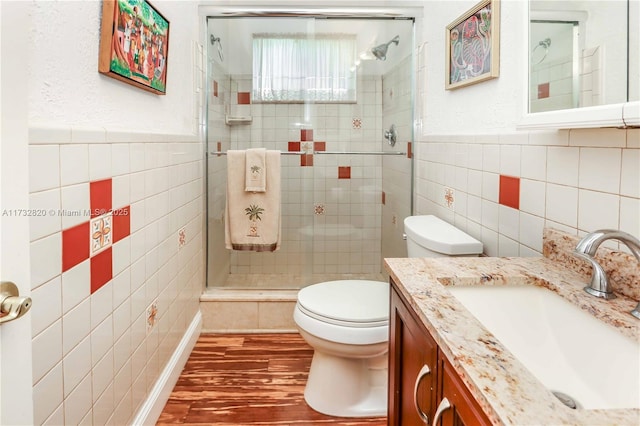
x: 579, y: 54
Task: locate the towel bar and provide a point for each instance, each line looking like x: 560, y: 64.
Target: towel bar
x: 328, y: 152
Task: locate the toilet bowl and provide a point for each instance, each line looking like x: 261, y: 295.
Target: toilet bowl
x: 346, y: 322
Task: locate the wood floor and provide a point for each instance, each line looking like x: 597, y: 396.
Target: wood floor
x: 247, y: 379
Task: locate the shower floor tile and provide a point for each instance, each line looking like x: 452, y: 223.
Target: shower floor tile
x: 248, y: 379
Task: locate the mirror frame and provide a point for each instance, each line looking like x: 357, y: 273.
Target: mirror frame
x: 622, y: 115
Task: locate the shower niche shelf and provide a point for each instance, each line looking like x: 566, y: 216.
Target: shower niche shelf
x: 234, y: 120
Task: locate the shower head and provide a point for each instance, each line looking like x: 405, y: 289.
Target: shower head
x: 213, y: 39
x: 380, y: 51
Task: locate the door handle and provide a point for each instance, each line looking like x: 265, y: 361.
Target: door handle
x: 424, y: 371
x: 12, y: 306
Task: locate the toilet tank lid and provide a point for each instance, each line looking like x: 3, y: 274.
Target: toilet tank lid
x: 437, y: 235
x: 357, y: 301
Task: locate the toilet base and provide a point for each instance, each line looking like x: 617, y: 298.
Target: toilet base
x: 347, y: 387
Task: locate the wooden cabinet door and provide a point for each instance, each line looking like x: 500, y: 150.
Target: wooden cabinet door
x: 463, y: 409
x: 412, y: 367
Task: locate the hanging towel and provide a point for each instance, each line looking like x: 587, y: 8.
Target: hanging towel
x: 252, y: 218
x: 255, y: 173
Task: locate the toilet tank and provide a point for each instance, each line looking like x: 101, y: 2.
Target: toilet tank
x: 430, y: 236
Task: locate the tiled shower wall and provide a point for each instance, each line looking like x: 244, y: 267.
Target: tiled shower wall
x: 397, y: 109
x: 116, y: 266
x: 505, y: 188
x: 331, y: 203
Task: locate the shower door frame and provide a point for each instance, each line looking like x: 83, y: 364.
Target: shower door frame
x: 410, y: 10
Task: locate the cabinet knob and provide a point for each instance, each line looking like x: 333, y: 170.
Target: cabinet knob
x: 444, y: 406
x: 424, y: 371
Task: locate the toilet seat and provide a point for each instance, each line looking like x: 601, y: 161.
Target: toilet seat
x: 350, y: 303
x: 347, y: 311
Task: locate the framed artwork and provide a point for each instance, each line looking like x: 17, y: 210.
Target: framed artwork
x: 134, y: 44
x: 473, y: 46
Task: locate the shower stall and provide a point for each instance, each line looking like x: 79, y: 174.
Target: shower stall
x: 324, y: 90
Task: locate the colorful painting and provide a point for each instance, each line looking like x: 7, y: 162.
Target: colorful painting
x: 473, y: 46
x: 134, y: 44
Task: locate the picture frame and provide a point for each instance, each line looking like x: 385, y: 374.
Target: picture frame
x: 134, y: 44
x: 473, y: 46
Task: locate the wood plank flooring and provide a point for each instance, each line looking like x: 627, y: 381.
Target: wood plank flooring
x: 248, y: 379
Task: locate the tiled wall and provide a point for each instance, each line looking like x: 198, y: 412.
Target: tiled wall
x: 397, y: 109
x: 505, y: 188
x: 331, y: 203
x: 116, y: 266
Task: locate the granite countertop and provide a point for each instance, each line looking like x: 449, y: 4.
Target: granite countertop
x: 508, y: 393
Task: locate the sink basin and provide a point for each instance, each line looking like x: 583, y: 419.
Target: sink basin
x: 566, y: 348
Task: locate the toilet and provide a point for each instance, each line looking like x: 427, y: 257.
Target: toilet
x: 346, y: 322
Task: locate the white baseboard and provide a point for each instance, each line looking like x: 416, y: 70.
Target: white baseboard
x: 152, y: 408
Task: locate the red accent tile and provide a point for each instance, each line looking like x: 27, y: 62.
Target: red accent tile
x: 306, y: 160
x: 219, y: 148
x: 344, y: 172
x: 510, y: 191
x: 409, y: 150
x: 244, y: 98
x: 215, y: 88
x: 543, y: 90
x: 121, y: 223
x: 306, y: 135
x: 384, y: 198
x: 293, y: 147
x: 101, y: 269
x: 75, y: 245
x: 319, y: 146
x: 100, y: 197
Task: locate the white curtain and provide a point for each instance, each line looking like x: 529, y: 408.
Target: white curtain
x: 304, y: 67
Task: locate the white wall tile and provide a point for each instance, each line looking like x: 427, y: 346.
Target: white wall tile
x: 489, y: 240
x: 507, y: 247
x: 57, y: 418
x: 562, y: 165
x: 562, y: 204
x: 44, y: 167
x: 75, y: 202
x: 531, y: 228
x: 474, y: 208
x: 48, y: 299
x: 630, y: 176
x: 137, y: 190
x: 76, y: 285
x: 510, y: 160
x: 597, y: 210
x: 45, y: 206
x: 600, y: 169
x: 490, y: 186
x: 490, y: 215
x: 509, y: 223
x: 101, y: 340
x: 121, y: 188
x: 104, y: 406
x: 120, y: 163
x: 630, y: 215
x: 76, y: 366
x: 491, y: 158
x: 121, y: 255
x: 47, y: 395
x: 47, y: 350
x: 102, y: 375
x: 45, y: 259
x: 78, y: 404
x: 101, y: 304
x: 74, y: 164
x: 534, y: 162
x: 532, y: 197
x: 474, y: 186
x: 76, y: 325
x: 99, y: 161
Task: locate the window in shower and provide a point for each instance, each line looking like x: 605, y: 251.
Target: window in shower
x: 299, y: 68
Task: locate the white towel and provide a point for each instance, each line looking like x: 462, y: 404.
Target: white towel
x: 255, y: 173
x: 253, y: 219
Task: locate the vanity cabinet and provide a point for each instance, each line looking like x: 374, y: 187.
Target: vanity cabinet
x: 422, y: 382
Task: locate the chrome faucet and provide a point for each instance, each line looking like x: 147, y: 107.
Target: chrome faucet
x: 586, y: 249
